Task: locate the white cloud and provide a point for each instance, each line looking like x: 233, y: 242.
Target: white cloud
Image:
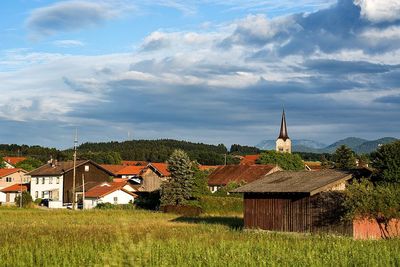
x: 68, y: 43
x: 379, y: 10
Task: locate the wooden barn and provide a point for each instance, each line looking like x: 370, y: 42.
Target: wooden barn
x: 295, y: 201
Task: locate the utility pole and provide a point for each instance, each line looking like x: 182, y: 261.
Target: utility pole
x: 83, y: 191
x: 20, y: 196
x: 225, y: 158
x: 74, y: 171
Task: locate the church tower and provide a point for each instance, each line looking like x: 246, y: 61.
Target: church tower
x: 283, y: 143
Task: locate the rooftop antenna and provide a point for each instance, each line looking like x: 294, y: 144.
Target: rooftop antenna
x: 74, y: 170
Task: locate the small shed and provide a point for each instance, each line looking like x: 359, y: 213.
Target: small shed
x: 295, y: 201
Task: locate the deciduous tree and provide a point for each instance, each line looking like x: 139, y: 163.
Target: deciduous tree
x: 286, y: 161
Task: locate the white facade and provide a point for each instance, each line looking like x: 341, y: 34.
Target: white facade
x: 47, y: 187
x: 117, y: 197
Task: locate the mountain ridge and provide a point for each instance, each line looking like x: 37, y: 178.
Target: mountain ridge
x: 358, y: 145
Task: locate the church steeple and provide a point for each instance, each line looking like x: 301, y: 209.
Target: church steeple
x: 283, y: 143
x: 283, y: 133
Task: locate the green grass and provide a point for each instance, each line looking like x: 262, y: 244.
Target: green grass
x: 35, y: 237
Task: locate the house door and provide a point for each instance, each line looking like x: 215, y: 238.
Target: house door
x: 8, y: 197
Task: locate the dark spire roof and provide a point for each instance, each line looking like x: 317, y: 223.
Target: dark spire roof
x: 283, y: 133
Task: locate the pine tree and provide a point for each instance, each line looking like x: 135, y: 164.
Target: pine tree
x: 180, y: 186
x: 344, y: 158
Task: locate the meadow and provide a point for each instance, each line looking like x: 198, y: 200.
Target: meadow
x: 36, y: 237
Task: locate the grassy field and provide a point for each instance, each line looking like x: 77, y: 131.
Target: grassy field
x: 138, y: 238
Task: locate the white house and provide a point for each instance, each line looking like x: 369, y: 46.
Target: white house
x: 12, y: 191
x: 54, y: 181
x: 109, y: 192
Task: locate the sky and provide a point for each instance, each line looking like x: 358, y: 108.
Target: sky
x: 203, y: 71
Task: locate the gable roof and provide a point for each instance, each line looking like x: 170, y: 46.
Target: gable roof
x: 113, y: 168
x: 62, y: 167
x: 249, y: 159
x: 15, y: 188
x: 14, y: 160
x: 6, y: 172
x: 104, y: 189
x: 304, y: 182
x: 161, y: 168
x: 239, y: 173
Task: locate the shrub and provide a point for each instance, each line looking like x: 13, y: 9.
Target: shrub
x: 38, y: 201
x: 26, y: 199
x: 211, y: 204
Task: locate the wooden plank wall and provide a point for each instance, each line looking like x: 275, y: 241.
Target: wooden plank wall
x: 288, y: 213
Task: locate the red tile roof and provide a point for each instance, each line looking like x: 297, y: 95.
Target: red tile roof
x: 134, y: 163
x: 249, y: 159
x: 131, y: 170
x: 239, y: 173
x: 5, y: 172
x: 14, y: 160
x: 113, y: 168
x: 15, y: 188
x: 161, y: 168
x: 104, y: 189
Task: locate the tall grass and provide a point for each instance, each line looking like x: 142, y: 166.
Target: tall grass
x: 140, y: 238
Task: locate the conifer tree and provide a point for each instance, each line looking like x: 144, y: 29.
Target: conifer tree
x: 180, y: 186
x: 344, y: 158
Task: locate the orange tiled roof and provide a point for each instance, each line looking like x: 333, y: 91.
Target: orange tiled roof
x: 131, y: 170
x: 15, y: 188
x: 112, y: 168
x: 134, y: 163
x: 239, y: 173
x: 249, y: 159
x: 14, y: 160
x: 5, y: 172
x: 161, y: 168
x: 104, y: 189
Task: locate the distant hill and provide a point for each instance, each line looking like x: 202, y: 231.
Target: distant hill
x: 352, y: 142
x: 302, y: 145
x: 358, y: 145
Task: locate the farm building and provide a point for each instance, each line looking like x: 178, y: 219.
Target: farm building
x: 294, y: 201
x: 54, y: 181
x: 224, y: 175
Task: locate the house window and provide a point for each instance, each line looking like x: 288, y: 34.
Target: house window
x: 115, y: 200
x: 37, y: 180
x: 43, y: 180
x: 43, y: 194
x: 36, y: 194
x: 58, y: 180
x: 8, y: 179
x: 86, y: 168
x: 50, y: 180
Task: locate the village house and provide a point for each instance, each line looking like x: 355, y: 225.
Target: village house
x: 11, y: 162
x: 249, y: 159
x: 12, y: 191
x: 291, y: 201
x: 54, y: 180
x: 116, y: 193
x: 9, y: 177
x: 224, y: 175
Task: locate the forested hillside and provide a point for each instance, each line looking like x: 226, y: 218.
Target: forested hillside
x: 160, y: 150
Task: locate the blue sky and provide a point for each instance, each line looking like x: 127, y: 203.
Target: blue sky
x: 204, y: 71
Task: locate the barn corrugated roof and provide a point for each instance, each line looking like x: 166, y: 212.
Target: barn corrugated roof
x: 304, y: 182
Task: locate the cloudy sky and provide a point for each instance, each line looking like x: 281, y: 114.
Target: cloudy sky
x: 204, y: 71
